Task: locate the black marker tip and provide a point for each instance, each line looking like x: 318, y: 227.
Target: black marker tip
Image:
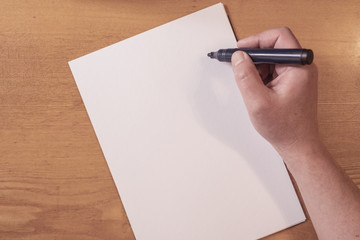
x: 211, y: 55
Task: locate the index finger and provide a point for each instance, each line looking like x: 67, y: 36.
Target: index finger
x: 273, y: 38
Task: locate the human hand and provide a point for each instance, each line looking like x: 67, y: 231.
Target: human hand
x: 281, y: 99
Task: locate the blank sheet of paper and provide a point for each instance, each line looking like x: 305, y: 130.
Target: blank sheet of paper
x: 177, y: 138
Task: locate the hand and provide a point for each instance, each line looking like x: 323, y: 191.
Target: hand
x: 282, y: 99
x: 283, y: 111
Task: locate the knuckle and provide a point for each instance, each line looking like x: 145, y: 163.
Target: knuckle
x: 285, y: 29
x: 314, y: 69
x: 310, y: 72
x: 242, y: 73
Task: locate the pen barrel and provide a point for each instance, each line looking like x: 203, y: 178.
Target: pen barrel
x: 270, y: 56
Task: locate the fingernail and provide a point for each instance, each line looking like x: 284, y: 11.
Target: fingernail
x: 238, y: 57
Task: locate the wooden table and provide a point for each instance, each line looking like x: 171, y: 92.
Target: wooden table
x: 55, y: 183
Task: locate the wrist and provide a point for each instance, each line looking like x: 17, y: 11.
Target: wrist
x: 302, y: 153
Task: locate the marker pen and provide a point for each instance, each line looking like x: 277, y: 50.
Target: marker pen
x: 268, y: 55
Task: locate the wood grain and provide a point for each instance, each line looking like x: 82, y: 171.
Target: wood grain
x: 54, y: 181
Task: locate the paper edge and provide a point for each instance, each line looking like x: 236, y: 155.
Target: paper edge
x: 164, y: 24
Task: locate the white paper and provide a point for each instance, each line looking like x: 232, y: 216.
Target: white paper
x: 177, y: 138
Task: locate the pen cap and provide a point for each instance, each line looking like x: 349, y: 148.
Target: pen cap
x: 307, y: 56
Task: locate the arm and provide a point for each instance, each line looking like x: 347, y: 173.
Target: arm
x: 284, y: 111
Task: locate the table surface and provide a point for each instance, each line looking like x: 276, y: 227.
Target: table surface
x: 55, y: 183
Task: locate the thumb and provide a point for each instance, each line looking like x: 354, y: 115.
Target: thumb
x: 252, y: 88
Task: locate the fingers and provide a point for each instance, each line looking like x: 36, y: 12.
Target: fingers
x: 251, y: 86
x: 273, y: 38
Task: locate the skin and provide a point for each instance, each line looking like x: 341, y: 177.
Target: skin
x: 282, y: 104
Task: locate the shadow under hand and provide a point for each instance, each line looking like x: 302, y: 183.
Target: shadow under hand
x: 219, y: 108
